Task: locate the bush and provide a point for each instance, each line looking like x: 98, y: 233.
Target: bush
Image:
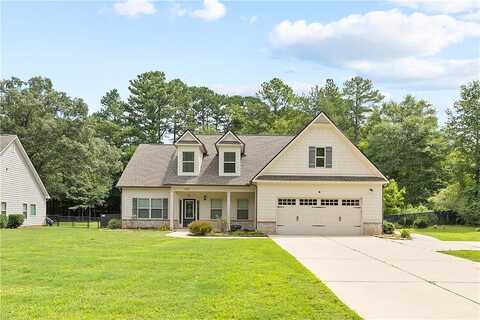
x: 114, y: 224
x: 388, y: 227
x: 477, y: 229
x: 15, y: 220
x: 200, y: 228
x: 405, y: 234
x: 3, y: 221
x: 420, y: 223
x: 164, y: 227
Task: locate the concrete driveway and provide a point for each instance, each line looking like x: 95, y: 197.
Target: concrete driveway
x: 386, y: 279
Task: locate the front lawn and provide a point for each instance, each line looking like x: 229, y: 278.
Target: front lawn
x: 76, y: 273
x: 451, y: 233
x: 466, y: 254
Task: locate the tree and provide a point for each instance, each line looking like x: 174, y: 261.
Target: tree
x: 407, y: 146
x: 248, y: 115
x: 361, y: 97
x: 277, y: 95
x: 394, y: 198
x: 55, y: 130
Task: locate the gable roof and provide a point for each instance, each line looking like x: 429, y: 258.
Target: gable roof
x: 5, y: 141
x: 322, y: 118
x: 155, y: 165
x: 190, y: 138
x: 235, y: 141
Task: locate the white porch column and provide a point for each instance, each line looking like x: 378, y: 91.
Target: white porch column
x: 171, y: 209
x: 228, y: 210
x: 255, y: 209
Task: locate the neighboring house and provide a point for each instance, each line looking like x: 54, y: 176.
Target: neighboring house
x: 316, y: 182
x: 21, y: 190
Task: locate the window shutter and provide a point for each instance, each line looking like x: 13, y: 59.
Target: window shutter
x: 134, y: 208
x: 328, y: 156
x: 311, y: 157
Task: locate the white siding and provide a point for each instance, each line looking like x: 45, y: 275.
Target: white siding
x: 129, y: 193
x: 18, y: 186
x: 294, y: 159
x: 371, y: 201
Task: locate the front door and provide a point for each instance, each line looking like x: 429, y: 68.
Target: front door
x: 188, y: 211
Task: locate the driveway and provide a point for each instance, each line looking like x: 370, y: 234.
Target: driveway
x: 387, y: 279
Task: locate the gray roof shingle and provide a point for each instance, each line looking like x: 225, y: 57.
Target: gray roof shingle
x: 154, y: 165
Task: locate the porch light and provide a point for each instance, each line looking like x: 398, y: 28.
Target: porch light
x: 204, y: 197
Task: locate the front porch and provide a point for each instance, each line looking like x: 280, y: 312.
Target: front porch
x: 223, y: 206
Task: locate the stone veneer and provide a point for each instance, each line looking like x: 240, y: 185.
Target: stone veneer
x: 268, y: 227
x: 146, y: 224
x: 372, y: 228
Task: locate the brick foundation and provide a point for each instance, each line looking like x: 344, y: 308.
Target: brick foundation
x: 146, y: 224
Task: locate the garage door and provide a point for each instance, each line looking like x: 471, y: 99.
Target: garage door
x: 319, y: 216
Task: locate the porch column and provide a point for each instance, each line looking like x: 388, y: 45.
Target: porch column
x: 255, y: 209
x: 171, y: 211
x: 228, y: 210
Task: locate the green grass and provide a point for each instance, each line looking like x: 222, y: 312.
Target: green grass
x: 466, y: 254
x: 78, y: 273
x: 451, y: 233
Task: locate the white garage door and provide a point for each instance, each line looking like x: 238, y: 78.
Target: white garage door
x: 319, y: 216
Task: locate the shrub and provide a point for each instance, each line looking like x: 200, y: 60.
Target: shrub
x: 388, y: 227
x: 164, y: 227
x: 114, y: 224
x: 405, y: 234
x: 477, y: 229
x: 15, y: 220
x: 3, y: 221
x: 434, y: 226
x: 200, y: 228
x: 420, y: 223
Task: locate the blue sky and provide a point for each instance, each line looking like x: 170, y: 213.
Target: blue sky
x: 405, y: 46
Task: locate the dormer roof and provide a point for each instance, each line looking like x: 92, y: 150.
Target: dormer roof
x: 189, y: 138
x: 230, y: 138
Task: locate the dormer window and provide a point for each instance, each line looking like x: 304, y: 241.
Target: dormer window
x: 188, y: 165
x: 320, y: 157
x: 229, y: 163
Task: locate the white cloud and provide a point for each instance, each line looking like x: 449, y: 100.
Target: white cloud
x: 212, y: 10
x: 440, y: 6
x: 472, y: 16
x: 134, y: 7
x: 177, y: 10
x: 382, y: 45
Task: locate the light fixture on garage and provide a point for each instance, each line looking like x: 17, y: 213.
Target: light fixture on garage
x: 371, y: 190
x: 319, y: 191
x: 204, y: 197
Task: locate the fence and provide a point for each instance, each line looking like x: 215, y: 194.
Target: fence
x: 433, y: 217
x: 75, y: 221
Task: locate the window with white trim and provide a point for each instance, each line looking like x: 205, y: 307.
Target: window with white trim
x: 242, y: 209
x: 188, y: 161
x: 351, y: 202
x: 146, y: 208
x: 229, y: 162
x: 319, y: 157
x: 33, y: 209
x: 25, y: 210
x: 329, y: 202
x: 308, y: 202
x: 287, y: 202
x: 4, y: 208
x: 216, y: 207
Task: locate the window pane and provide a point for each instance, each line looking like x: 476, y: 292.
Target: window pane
x: 242, y: 214
x: 320, y: 152
x: 229, y: 156
x: 33, y: 210
x: 229, y: 167
x: 143, y: 213
x: 320, y: 162
x: 188, y: 167
x: 188, y: 156
x: 143, y: 203
x: 217, y: 203
x: 157, y: 214
x: 243, y: 204
x: 157, y: 203
x: 216, y: 213
x: 4, y: 207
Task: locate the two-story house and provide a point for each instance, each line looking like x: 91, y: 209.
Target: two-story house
x: 316, y: 182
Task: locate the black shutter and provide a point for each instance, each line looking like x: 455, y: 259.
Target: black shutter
x: 180, y: 212
x: 198, y: 210
x: 328, y: 156
x: 311, y: 157
x: 134, y: 208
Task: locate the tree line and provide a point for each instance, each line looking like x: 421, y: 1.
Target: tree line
x: 80, y: 155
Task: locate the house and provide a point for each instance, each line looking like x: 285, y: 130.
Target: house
x: 21, y: 190
x: 316, y: 182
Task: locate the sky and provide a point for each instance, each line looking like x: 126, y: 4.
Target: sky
x: 424, y: 48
